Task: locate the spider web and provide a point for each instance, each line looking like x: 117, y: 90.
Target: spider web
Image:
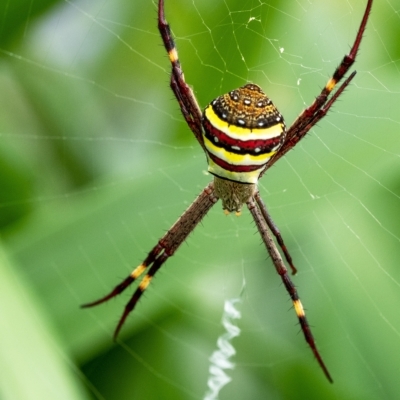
x: 97, y: 163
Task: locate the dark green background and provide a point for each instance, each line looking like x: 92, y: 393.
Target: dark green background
x: 96, y: 164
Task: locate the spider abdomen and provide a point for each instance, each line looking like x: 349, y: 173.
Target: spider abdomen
x: 242, y: 131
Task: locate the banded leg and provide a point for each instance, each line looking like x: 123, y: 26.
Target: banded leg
x: 340, y: 71
x: 275, y: 230
x: 311, y: 115
x: 262, y: 226
x: 318, y: 115
x: 295, y: 137
x: 183, y: 93
x: 164, y: 249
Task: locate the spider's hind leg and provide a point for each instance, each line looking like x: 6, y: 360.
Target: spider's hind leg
x: 184, y: 94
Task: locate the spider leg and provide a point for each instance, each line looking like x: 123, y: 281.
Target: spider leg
x: 307, y: 119
x: 164, y: 249
x: 297, y: 133
x: 275, y: 230
x: 324, y: 110
x: 262, y: 225
x: 183, y: 93
x: 340, y: 71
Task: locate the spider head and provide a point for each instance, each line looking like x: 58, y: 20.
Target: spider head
x: 233, y: 194
x: 242, y: 131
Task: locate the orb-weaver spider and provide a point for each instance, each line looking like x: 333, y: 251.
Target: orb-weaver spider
x: 242, y: 134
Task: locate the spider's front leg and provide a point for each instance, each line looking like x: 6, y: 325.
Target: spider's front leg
x: 258, y: 216
x: 164, y: 249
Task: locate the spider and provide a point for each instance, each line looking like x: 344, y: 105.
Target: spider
x: 242, y: 134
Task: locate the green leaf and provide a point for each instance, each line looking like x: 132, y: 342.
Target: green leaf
x: 34, y: 363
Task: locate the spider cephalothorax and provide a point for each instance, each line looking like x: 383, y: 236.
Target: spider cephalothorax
x: 243, y: 134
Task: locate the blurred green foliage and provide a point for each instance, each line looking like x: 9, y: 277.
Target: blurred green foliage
x: 96, y: 163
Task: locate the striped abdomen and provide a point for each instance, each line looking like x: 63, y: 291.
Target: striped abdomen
x: 242, y: 131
